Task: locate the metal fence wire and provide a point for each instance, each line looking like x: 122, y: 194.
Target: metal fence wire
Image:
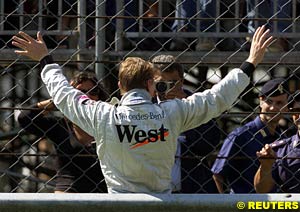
x: 209, y: 37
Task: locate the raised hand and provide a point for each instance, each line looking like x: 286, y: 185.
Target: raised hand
x: 266, y: 155
x: 34, y: 49
x: 260, y: 41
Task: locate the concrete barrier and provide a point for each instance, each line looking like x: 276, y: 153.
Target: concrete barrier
x: 33, y: 202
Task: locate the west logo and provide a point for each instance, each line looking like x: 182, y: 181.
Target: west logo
x: 141, y: 137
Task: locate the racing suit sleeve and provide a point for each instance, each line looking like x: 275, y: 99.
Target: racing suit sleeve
x: 201, y: 107
x: 74, y: 104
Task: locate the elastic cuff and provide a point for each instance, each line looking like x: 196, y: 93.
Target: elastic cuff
x: 46, y: 60
x: 248, y: 68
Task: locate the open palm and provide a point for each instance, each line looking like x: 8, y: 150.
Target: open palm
x: 34, y: 49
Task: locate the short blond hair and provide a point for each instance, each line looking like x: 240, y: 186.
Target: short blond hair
x: 134, y: 73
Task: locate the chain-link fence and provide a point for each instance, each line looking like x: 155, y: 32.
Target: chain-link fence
x: 209, y: 37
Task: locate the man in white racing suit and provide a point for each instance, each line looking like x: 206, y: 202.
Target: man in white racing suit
x: 135, y: 138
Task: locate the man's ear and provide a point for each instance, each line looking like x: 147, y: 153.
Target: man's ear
x: 150, y: 87
x: 149, y: 84
x: 261, y: 101
x: 120, y: 87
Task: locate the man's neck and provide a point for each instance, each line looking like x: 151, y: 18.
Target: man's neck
x: 271, y: 125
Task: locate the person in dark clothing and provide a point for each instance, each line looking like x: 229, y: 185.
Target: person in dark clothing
x: 191, y: 172
x: 196, y: 162
x: 236, y: 164
x: 279, y: 161
x: 75, y: 173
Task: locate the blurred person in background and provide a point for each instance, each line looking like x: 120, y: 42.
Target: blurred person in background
x: 187, y: 13
x: 188, y: 9
x: 271, y: 9
x: 236, y: 163
x: 279, y: 169
x: 75, y: 173
x: 189, y: 174
x: 144, y: 16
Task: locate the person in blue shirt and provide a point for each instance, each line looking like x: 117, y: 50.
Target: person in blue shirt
x: 281, y: 171
x: 237, y: 163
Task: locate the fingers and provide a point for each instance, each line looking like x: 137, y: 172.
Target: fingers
x: 258, y: 45
x: 19, y: 42
x: 262, y: 152
x: 23, y: 41
x: 268, y: 148
x: 261, y: 35
x: 20, y: 45
x: 40, y: 37
x: 268, y: 42
x: 24, y: 53
x: 26, y: 36
x: 256, y: 34
x: 34, y: 49
x: 265, y: 34
x: 266, y: 151
x: 265, y: 38
x: 258, y: 154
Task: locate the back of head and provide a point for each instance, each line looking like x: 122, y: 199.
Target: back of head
x: 134, y: 73
x: 167, y: 63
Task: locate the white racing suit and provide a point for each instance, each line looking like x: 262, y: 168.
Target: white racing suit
x: 136, y: 139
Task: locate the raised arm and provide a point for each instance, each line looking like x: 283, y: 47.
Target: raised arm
x: 74, y: 104
x: 260, y: 41
x: 199, y: 108
x: 263, y: 180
